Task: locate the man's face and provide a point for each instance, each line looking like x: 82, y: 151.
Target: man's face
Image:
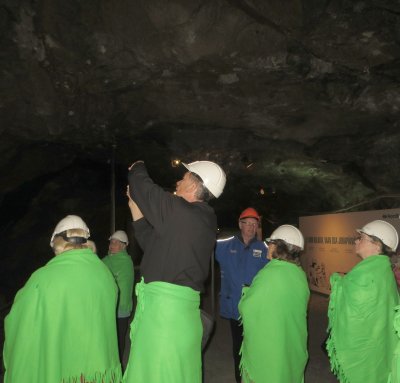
x: 185, y: 185
x: 115, y: 246
x: 248, y: 227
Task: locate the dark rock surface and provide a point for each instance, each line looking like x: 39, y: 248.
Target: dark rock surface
x: 299, y: 98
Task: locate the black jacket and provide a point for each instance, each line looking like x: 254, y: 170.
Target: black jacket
x: 177, y: 236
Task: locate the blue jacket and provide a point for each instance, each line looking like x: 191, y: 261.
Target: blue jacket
x: 239, y: 264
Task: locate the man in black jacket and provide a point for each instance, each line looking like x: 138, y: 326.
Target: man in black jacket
x: 177, y: 233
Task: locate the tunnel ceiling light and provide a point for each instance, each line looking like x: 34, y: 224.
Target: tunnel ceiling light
x: 175, y: 162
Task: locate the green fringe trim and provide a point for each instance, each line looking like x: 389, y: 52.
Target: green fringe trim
x: 396, y: 322
x: 137, y: 317
x: 244, y: 373
x: 336, y: 367
x: 113, y: 375
x: 394, y: 376
x: 245, y: 376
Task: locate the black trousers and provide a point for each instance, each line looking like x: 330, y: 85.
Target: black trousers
x: 237, y: 338
x: 122, y: 328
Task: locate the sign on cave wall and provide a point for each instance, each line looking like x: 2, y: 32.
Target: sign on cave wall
x: 329, y: 243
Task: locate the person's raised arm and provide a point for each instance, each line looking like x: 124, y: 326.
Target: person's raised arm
x: 153, y: 202
x: 134, y: 208
x: 143, y: 230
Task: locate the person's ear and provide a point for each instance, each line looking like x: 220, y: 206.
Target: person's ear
x: 191, y: 187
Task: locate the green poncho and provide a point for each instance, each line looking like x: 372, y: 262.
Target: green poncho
x: 61, y: 327
x: 121, y: 266
x: 165, y: 335
x: 274, y: 315
x: 361, y: 313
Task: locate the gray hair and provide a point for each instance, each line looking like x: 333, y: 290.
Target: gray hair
x: 286, y: 251
x: 385, y: 250
x: 60, y: 245
x: 202, y: 193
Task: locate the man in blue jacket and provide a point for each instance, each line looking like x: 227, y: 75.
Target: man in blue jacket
x: 240, y: 258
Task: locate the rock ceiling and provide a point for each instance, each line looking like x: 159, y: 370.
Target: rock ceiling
x: 300, y: 98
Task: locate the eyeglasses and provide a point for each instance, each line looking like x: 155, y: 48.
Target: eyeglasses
x: 246, y: 223
x: 360, y: 238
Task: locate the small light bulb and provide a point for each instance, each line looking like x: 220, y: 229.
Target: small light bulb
x: 175, y: 162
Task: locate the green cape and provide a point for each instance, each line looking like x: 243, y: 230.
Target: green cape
x: 165, y: 335
x: 61, y: 327
x: 121, y: 266
x: 361, y: 313
x: 274, y: 315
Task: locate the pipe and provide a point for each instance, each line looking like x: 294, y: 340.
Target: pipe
x: 112, y: 191
x: 213, y: 286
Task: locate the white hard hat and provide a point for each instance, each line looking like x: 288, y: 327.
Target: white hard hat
x: 382, y: 230
x: 289, y: 234
x: 70, y: 222
x: 213, y: 176
x: 121, y: 236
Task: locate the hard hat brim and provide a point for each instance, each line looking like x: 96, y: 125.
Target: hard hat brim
x: 250, y: 216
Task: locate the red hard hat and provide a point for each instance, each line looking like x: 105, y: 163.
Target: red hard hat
x: 249, y: 213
